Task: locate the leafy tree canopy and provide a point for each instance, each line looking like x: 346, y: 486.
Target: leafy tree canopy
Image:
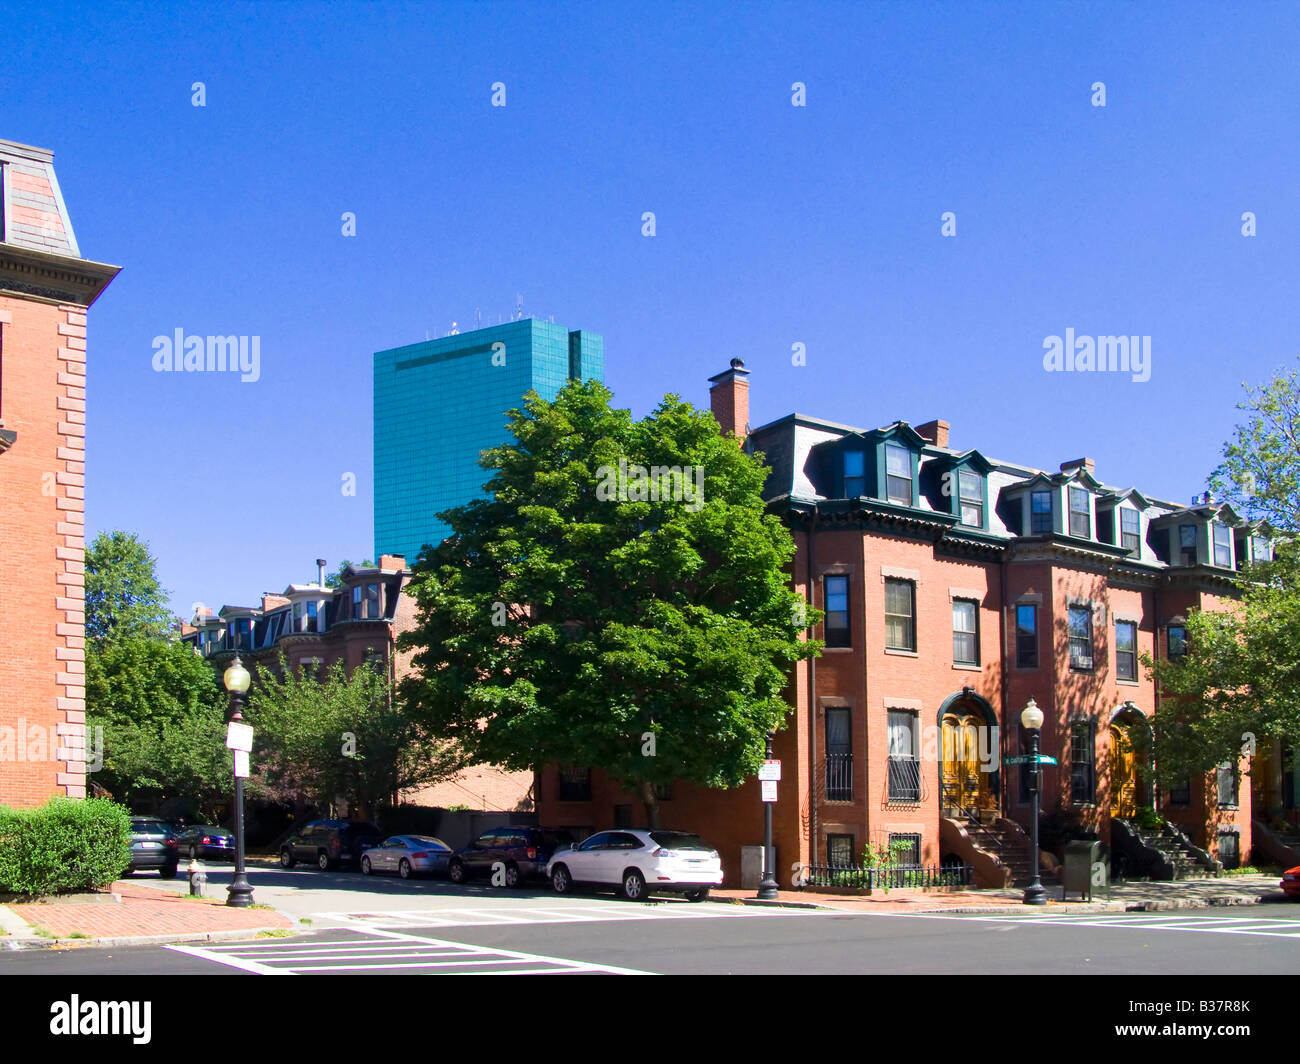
x: 123, y: 596
x: 646, y: 631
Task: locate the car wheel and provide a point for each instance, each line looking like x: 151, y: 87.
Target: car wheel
x: 365, y: 866
x: 513, y: 879
x: 634, y: 888
x: 168, y: 871
x: 698, y: 895
x: 287, y: 858
x: 561, y: 880
x: 456, y: 872
x: 323, y: 861
x: 404, y: 869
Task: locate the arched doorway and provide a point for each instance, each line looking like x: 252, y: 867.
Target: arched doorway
x: 968, y: 768
x: 1130, y: 762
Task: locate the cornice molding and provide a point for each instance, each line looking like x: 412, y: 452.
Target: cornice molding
x: 53, y: 278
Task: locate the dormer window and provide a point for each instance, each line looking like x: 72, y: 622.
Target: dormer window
x: 1222, y: 545
x: 1261, y: 550
x: 1130, y: 531
x: 1186, y: 544
x: 855, y: 474
x: 1040, y: 513
x: 1080, y: 514
x: 898, y: 474
x: 971, y: 487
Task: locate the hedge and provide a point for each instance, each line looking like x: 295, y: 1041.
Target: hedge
x: 65, y: 845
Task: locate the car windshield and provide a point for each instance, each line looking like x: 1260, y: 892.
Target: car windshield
x: 676, y: 840
x: 429, y: 841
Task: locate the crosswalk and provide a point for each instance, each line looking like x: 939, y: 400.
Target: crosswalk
x: 500, y: 916
x: 373, y: 950
x: 1270, y: 927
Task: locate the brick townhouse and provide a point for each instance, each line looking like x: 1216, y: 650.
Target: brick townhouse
x: 357, y: 622
x: 46, y: 287
x: 956, y: 587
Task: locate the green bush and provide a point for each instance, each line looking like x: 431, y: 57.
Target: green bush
x: 65, y: 845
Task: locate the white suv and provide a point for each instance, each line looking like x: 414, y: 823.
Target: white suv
x: 638, y: 862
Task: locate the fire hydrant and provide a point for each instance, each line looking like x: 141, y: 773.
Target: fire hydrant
x: 198, y: 877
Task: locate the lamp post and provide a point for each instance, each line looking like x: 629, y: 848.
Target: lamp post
x: 1031, y: 719
x: 236, y: 679
x: 767, y: 887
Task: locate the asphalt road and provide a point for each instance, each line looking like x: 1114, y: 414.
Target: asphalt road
x: 673, y: 937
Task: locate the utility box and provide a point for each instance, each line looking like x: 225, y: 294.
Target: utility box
x: 751, y: 866
x: 1083, y: 869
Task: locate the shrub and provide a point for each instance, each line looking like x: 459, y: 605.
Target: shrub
x: 65, y: 845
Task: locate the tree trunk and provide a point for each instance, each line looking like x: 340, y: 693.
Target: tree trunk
x: 651, y: 804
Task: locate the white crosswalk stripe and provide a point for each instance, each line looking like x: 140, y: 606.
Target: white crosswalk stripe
x: 382, y: 950
x: 487, y: 916
x: 1272, y: 927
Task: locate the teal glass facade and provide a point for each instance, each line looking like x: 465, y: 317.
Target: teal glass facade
x: 438, y: 404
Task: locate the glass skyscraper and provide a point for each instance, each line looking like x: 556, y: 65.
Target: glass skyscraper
x: 438, y: 404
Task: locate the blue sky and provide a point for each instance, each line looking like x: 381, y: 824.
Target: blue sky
x: 775, y: 225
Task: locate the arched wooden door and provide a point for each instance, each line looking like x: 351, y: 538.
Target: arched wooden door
x: 1123, y: 772
x: 965, y: 784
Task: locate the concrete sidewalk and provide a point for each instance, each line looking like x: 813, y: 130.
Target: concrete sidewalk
x: 129, y: 914
x: 1121, y: 897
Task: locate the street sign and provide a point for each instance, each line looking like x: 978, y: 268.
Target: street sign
x: 1029, y: 759
x: 769, y: 770
x: 239, y: 736
x: 241, y: 764
x: 769, y: 790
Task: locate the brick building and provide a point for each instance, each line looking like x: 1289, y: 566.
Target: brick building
x: 357, y: 622
x: 46, y: 286
x: 956, y: 588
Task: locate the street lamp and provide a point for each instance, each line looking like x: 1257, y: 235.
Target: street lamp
x: 236, y: 679
x: 1031, y: 719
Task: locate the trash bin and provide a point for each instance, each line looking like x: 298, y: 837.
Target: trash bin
x: 1082, y: 857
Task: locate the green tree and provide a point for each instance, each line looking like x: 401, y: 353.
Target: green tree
x: 649, y: 635
x: 324, y: 734
x: 335, y: 579
x: 1239, y: 681
x: 161, y: 709
x: 123, y: 596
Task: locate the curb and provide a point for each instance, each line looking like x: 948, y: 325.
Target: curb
x: 36, y: 942
x: 1215, y: 901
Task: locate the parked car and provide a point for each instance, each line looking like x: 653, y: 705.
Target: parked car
x: 639, y: 862
x: 1291, y: 882
x: 522, y: 852
x: 329, y: 843
x: 153, y: 845
x: 205, y: 841
x: 406, y: 855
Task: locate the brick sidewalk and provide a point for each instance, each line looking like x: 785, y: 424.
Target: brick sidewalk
x: 138, y: 912
x: 1196, y: 893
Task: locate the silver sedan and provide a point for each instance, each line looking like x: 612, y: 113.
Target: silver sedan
x: 407, y: 855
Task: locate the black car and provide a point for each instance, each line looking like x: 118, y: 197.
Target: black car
x: 329, y: 843
x: 522, y: 853
x: 153, y: 845
x: 206, y: 841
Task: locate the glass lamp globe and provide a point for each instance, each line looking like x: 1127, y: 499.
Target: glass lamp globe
x: 236, y: 678
x: 1031, y: 716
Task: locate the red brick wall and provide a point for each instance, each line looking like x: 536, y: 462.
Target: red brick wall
x: 42, y: 485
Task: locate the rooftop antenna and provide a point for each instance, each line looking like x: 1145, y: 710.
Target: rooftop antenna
x: 519, y: 306
x: 478, y: 319
x: 454, y: 331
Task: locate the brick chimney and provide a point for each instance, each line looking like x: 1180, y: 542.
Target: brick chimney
x: 270, y: 601
x: 729, y: 400
x: 392, y: 562
x: 936, y: 432
x: 1085, y: 464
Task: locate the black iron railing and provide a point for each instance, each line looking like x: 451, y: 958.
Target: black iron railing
x: 905, y: 779
x: 869, y: 879
x: 839, y: 777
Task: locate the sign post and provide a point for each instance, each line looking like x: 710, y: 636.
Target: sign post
x: 769, y: 773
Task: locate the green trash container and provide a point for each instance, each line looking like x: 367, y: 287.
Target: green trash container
x: 1081, y: 857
